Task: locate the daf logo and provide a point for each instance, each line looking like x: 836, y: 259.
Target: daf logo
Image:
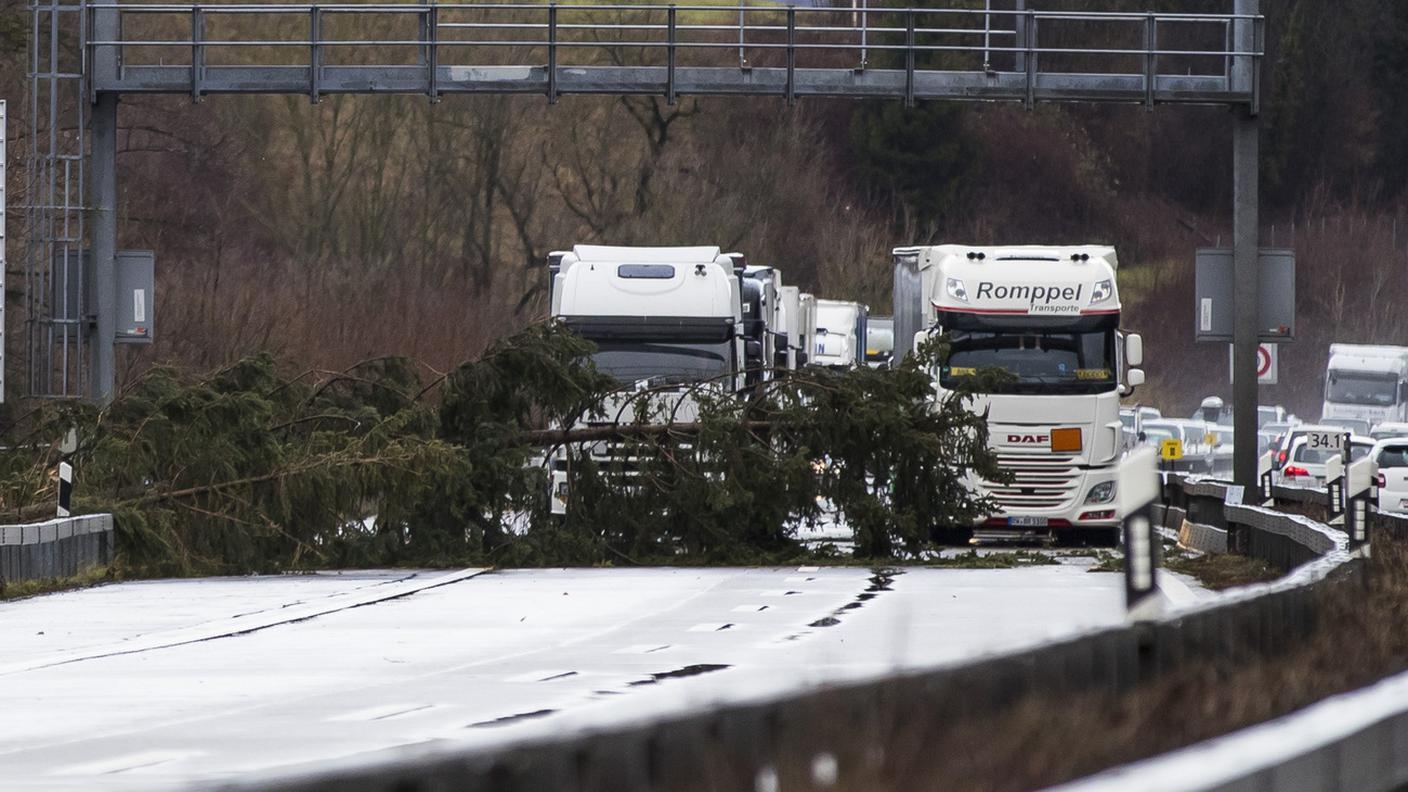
x: 1018, y: 439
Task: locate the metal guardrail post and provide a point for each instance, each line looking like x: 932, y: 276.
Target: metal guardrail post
x: 1258, y: 45
x: 670, y: 55
x: 1029, y: 48
x: 1151, y: 64
x: 792, y: 55
x: 909, y: 58
x: 742, y: 25
x: 432, y: 51
x: 197, y: 51
x: 864, y: 25
x: 552, y: 53
x: 315, y: 54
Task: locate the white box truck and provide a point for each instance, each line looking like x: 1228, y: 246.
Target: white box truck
x: 1049, y: 317
x: 659, y: 316
x: 840, y: 333
x: 1365, y: 385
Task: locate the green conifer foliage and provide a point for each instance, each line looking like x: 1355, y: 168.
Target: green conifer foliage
x: 248, y: 469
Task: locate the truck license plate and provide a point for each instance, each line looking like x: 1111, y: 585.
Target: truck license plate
x: 1027, y: 522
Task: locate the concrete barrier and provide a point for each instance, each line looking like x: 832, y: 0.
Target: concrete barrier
x: 55, y: 549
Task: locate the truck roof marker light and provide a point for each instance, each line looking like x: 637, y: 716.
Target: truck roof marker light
x: 1101, y: 293
x: 1065, y: 440
x: 976, y: 255
x: 1080, y: 257
x: 957, y: 290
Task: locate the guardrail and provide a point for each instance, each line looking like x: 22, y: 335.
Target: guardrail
x: 1352, y: 742
x: 55, y: 549
x: 740, y: 746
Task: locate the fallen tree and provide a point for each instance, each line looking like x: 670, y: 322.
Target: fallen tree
x: 245, y: 469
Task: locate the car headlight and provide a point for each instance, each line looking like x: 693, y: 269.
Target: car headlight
x: 1104, y: 492
x: 1103, y: 290
x: 957, y: 290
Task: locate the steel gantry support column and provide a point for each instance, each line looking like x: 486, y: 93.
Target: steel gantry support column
x: 1245, y: 280
x: 102, y: 198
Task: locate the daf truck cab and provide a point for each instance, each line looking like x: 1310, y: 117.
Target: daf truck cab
x: 840, y: 333
x: 663, y: 319
x: 1366, y: 383
x: 1050, y: 318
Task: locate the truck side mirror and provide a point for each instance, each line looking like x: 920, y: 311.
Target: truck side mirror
x: 1134, y: 378
x: 1134, y: 354
x: 919, y: 338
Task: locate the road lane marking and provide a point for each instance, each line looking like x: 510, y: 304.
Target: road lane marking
x: 710, y: 627
x: 232, y: 627
x: 642, y: 649
x: 380, y: 713
x: 125, y: 763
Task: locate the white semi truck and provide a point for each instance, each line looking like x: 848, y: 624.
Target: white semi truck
x: 1049, y: 317
x: 1366, y: 385
x: 840, y: 333
x: 659, y: 316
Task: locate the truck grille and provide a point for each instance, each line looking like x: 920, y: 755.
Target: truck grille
x: 1039, y: 481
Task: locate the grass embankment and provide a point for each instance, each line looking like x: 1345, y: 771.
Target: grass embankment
x: 90, y: 576
x: 1047, y: 739
x: 1216, y: 571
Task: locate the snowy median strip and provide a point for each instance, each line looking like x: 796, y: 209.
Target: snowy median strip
x: 240, y: 625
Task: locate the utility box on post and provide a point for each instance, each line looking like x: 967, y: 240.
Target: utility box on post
x: 1212, y: 284
x: 136, y: 302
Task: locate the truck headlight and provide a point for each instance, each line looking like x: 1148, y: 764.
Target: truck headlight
x: 1104, y: 492
x: 957, y: 290
x: 1103, y: 290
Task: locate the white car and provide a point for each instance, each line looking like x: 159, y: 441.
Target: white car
x: 1305, y: 466
x: 1358, y: 426
x: 1297, y: 432
x: 1389, y: 430
x: 1391, y: 457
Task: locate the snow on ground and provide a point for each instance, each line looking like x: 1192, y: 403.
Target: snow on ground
x: 488, y: 658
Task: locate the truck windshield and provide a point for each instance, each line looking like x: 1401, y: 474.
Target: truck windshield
x: 1362, y: 387
x: 676, y: 361
x: 1041, y: 361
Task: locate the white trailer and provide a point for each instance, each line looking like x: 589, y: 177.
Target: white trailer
x: 1049, y: 317
x: 840, y: 333
x: 1367, y: 384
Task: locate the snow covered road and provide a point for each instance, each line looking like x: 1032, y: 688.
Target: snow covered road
x: 135, y: 686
